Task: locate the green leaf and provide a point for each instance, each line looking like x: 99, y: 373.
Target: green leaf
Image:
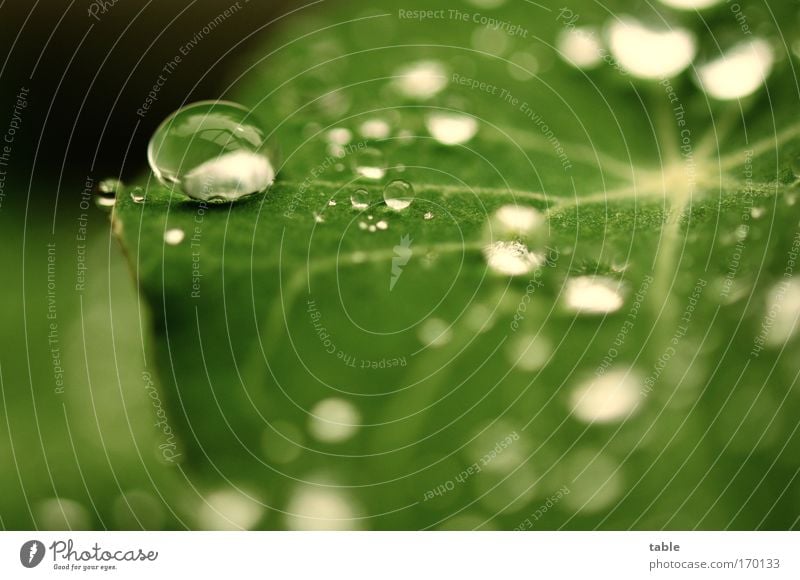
x: 276, y: 303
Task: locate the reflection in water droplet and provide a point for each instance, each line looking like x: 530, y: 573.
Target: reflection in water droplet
x: 608, y: 398
x: 581, y: 47
x: 528, y: 352
x: 370, y: 164
x: 334, y: 420
x: 174, y: 236
x: 360, y: 199
x: 435, y: 332
x: 782, y: 318
x: 739, y: 72
x: 313, y: 508
x: 650, y: 53
x: 691, y: 4
x: 451, y: 128
x: 421, y: 80
x: 375, y: 129
x: 398, y: 194
x: 212, y: 151
x: 593, y: 295
x: 229, y: 509
x: 512, y: 258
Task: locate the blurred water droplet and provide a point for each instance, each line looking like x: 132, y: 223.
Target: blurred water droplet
x: 782, y: 317
x: 691, y: 4
x: 333, y: 420
x: 105, y: 196
x: 595, y: 481
x: 61, y: 514
x: 421, y: 80
x: 375, y: 129
x: 528, y: 352
x: 651, y: 53
x: 340, y: 136
x: 319, y: 218
x: 174, y: 236
x: 511, y: 258
x: 523, y: 66
x: 370, y: 164
x: 382, y: 225
x: 137, y: 509
x: 608, y: 398
x: 213, y: 151
x: 487, y: 4
x: 428, y: 215
x: 313, y: 508
x: 517, y: 220
x: 281, y: 442
x: 581, y: 47
x: 593, y: 295
x: 435, y: 332
x: 490, y: 40
x: 398, y: 194
x: 739, y: 72
x: 229, y: 509
x: 451, y: 128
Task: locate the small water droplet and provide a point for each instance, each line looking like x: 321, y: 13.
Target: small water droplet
x: 213, y: 151
x: 608, y: 398
x: 739, y: 72
x: 375, y: 129
x: 451, y: 128
x: 398, y: 194
x: 174, y: 236
x: 435, y: 332
x: 581, y: 47
x: 334, y: 420
x: 360, y: 199
x: 428, y: 215
x: 332, y: 202
x: 370, y: 164
x: 382, y: 225
x: 137, y: 195
x: 372, y: 228
x: 421, y: 80
x: 651, y: 53
x: 511, y: 258
x: 593, y: 295
x: 362, y: 225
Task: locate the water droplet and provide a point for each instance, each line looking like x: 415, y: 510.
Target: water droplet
x: 174, y: 236
x: 528, y: 352
x: 783, y: 312
x: 608, y: 398
x: 593, y: 295
x: 313, y: 508
x: 106, y: 193
x: 511, y: 258
x: 319, y: 218
x: 334, y: 420
x: 382, y: 225
x: 137, y: 195
x: 451, y: 128
x: 490, y: 40
x: 523, y: 66
x: 360, y: 199
x: 428, y: 215
x: 435, y: 332
x: 332, y: 202
x: 229, y: 509
x: 421, y: 80
x: 370, y: 164
x: 739, y: 72
x: 398, y: 194
x: 375, y: 129
x: 362, y: 225
x: 340, y: 136
x: 581, y: 47
x: 690, y: 4
x: 213, y: 151
x: 372, y: 228
x: 651, y: 53
x: 517, y: 220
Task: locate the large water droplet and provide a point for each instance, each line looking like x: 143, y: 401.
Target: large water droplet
x: 608, y: 398
x: 451, y: 128
x: 213, y: 151
x: 651, y: 53
x: 398, y: 194
x: 369, y: 163
x: 421, y: 80
x: 593, y: 295
x: 739, y: 72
